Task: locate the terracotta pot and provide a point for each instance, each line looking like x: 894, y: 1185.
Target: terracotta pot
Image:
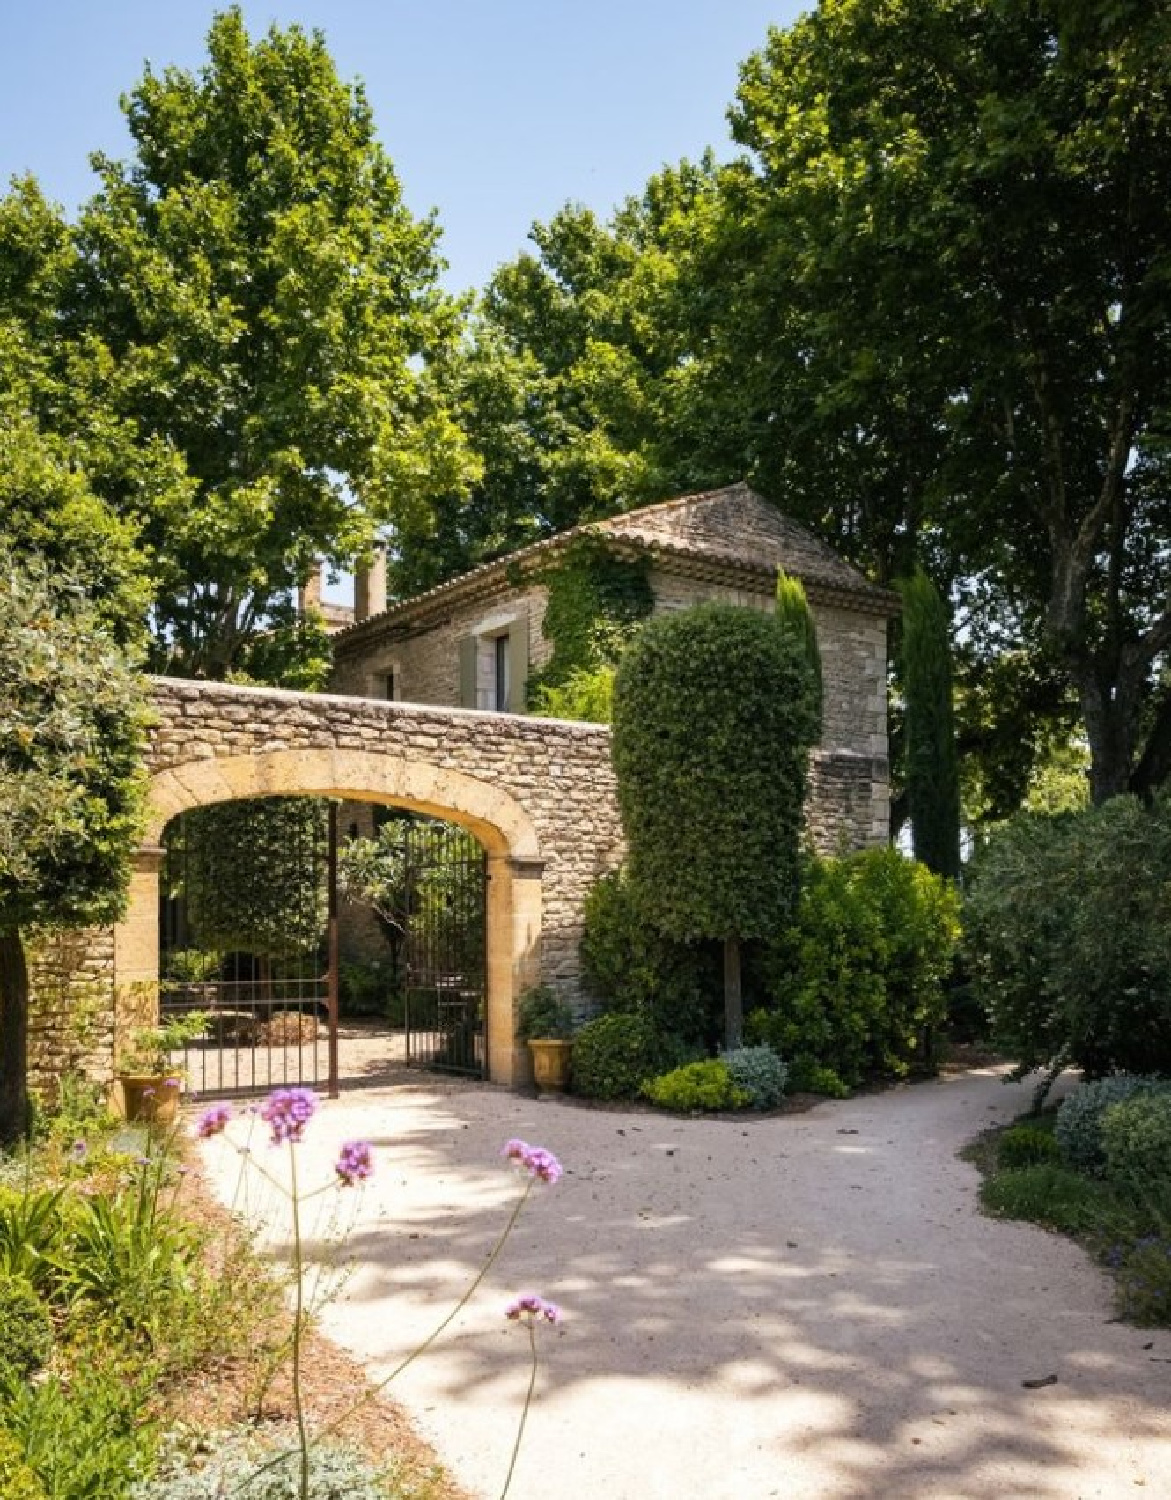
x: 551, y: 1064
x: 150, y: 1099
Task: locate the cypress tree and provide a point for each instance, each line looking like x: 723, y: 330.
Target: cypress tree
x: 795, y: 616
x: 932, y: 770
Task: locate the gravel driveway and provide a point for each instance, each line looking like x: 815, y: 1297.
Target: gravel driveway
x: 795, y: 1306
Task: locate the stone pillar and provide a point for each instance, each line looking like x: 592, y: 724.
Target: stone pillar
x: 370, y: 588
x: 136, y: 948
x: 514, y: 960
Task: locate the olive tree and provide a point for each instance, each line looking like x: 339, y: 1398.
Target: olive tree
x: 714, y: 717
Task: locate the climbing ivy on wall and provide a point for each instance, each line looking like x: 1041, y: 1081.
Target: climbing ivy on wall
x: 596, y: 601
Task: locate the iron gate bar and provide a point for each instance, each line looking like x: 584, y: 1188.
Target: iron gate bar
x: 332, y: 978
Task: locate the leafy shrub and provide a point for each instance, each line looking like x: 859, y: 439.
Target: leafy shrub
x: 633, y: 968
x: 1136, y: 1138
x: 1067, y: 940
x: 613, y: 1055
x: 335, y: 1473
x: 131, y: 1261
x: 857, y: 981
x: 1079, y: 1120
x: 759, y: 1072
x: 370, y: 987
x: 713, y: 722
x: 587, y: 694
x: 1053, y: 1195
x: 26, y: 1332
x: 17, y: 1480
x: 30, y: 1232
x: 84, y: 1441
x: 1144, y: 1281
x: 698, y: 1085
x: 1026, y: 1146
x: 541, y: 1012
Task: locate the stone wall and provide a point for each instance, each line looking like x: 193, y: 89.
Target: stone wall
x: 539, y: 794
x: 71, y: 1019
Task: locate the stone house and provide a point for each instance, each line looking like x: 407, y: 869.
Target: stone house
x: 476, y: 641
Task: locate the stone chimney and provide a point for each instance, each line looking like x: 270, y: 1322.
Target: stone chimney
x: 370, y: 587
x: 309, y: 594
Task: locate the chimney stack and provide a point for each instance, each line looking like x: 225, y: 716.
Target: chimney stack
x: 370, y: 587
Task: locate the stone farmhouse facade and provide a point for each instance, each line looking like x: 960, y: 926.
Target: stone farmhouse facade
x: 474, y: 641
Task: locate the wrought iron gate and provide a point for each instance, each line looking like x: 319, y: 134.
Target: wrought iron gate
x: 445, y: 936
x: 249, y: 942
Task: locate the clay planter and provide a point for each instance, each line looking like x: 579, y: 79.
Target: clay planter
x: 550, y: 1064
x: 150, y: 1099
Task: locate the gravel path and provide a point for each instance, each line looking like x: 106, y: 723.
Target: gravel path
x: 798, y: 1306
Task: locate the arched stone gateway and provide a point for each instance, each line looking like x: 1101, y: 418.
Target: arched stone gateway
x: 538, y: 794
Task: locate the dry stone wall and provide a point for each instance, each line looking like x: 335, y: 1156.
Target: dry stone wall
x: 539, y: 792
x: 559, y: 773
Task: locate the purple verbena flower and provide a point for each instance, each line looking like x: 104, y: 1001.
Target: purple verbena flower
x: 286, y: 1112
x: 355, y: 1162
x: 213, y: 1120
x: 534, y: 1160
x: 533, y: 1308
x: 79, y: 1150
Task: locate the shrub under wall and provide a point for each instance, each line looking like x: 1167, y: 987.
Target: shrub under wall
x: 856, y: 985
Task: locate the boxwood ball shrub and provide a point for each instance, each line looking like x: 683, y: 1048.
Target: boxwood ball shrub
x: 26, y: 1330
x: 1136, y: 1138
x: 703, y: 1085
x: 613, y: 1055
x: 1079, y: 1120
x: 759, y: 1072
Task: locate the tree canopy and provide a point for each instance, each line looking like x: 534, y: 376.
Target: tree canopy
x: 249, y: 302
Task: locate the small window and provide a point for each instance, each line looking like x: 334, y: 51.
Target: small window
x: 390, y: 687
x: 500, y: 676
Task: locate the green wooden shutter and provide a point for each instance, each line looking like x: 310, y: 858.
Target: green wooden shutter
x: 518, y: 666
x: 467, y: 671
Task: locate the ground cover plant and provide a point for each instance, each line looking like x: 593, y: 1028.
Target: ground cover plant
x: 1098, y: 1168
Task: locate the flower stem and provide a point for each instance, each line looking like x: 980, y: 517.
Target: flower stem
x: 524, y: 1411
x: 298, y: 1268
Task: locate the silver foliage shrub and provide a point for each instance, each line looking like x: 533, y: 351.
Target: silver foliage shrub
x: 759, y: 1072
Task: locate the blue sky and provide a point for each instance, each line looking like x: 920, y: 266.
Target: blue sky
x: 494, y: 113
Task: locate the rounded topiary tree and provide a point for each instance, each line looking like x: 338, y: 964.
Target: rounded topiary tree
x: 714, y: 717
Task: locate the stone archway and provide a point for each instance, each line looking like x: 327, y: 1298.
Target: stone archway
x: 502, y: 826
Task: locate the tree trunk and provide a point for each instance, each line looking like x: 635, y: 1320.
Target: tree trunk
x: 13, y: 1037
x: 733, y: 1000
x: 1111, y: 732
